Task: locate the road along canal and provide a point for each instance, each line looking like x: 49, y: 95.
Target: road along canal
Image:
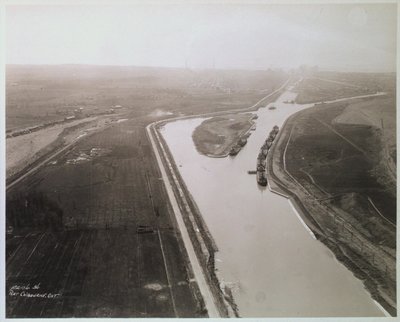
x: 266, y: 258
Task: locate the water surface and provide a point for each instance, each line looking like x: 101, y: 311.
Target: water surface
x: 272, y: 263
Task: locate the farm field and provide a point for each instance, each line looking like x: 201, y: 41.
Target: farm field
x: 336, y: 165
x: 76, y: 232
x: 319, y: 149
x: 91, y: 233
x: 325, y: 86
x: 39, y: 94
x: 380, y: 114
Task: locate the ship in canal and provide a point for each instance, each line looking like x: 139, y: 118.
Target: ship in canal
x: 262, y: 178
x: 238, y: 146
x: 262, y: 157
x: 235, y: 149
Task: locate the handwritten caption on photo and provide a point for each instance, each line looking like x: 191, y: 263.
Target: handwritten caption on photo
x: 33, y: 291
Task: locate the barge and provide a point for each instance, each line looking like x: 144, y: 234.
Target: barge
x: 235, y: 150
x: 262, y: 157
x: 262, y: 178
x: 239, y: 144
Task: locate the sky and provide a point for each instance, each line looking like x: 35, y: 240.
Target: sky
x: 346, y: 37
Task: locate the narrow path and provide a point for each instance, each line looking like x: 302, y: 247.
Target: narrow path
x: 379, y: 213
x: 167, y: 274
x: 350, y: 98
x: 197, y: 270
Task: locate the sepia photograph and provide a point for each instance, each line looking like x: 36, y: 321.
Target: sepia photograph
x: 192, y: 159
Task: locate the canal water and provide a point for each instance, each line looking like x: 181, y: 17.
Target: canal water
x: 273, y: 265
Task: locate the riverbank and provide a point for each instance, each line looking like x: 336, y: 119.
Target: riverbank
x: 371, y: 263
x: 200, y: 237
x: 198, y: 233
x: 252, y: 225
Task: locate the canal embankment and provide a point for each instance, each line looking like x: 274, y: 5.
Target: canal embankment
x: 252, y: 225
x: 200, y: 237
x: 368, y: 262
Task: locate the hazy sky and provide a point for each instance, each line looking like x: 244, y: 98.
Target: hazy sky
x: 345, y: 37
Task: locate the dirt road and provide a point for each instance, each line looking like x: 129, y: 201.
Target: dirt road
x: 197, y: 270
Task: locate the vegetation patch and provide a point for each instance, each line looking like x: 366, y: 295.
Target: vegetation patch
x: 216, y: 136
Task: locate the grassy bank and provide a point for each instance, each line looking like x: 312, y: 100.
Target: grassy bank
x: 201, y: 238
x: 334, y: 201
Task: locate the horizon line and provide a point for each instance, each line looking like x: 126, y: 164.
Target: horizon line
x: 324, y: 69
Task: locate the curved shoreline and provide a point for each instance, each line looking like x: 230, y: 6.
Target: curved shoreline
x: 307, y: 221
x: 273, y: 186
x: 200, y: 239
x: 210, y: 128
x: 341, y: 251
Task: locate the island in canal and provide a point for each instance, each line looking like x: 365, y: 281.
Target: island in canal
x: 336, y: 162
x: 227, y: 133
x: 223, y: 135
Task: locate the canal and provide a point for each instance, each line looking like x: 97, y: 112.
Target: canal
x: 273, y: 265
